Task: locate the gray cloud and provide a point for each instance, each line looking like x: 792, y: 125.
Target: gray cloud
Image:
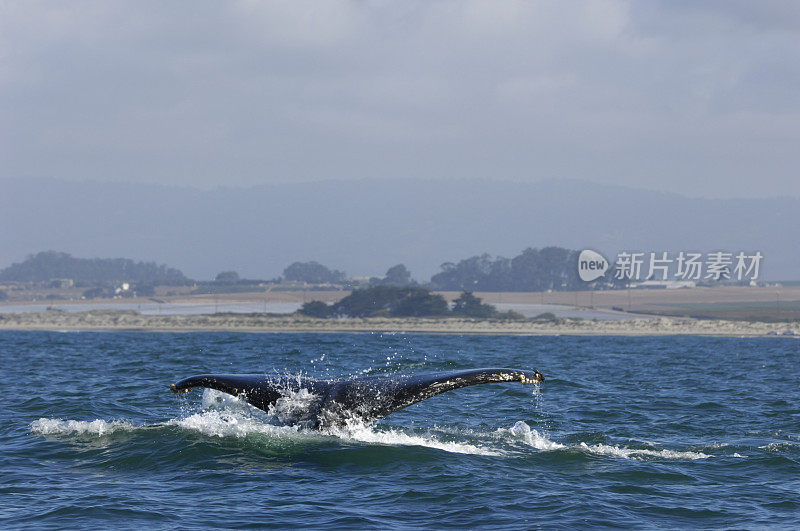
x: 690, y: 97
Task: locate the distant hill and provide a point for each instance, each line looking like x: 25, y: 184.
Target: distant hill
x: 364, y: 227
x: 48, y: 265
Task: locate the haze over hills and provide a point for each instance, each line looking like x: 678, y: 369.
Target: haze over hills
x: 364, y: 227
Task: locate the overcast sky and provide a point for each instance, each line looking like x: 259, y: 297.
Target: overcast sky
x: 700, y: 98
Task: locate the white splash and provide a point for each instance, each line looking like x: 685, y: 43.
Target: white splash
x: 227, y: 424
x: 45, y: 426
x: 639, y: 454
x: 355, y: 431
x: 522, y: 432
x: 293, y: 405
x: 780, y: 447
x: 228, y: 416
x: 213, y: 399
x: 222, y: 423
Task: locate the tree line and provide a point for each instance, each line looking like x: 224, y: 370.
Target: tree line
x: 534, y: 269
x: 48, y: 265
x: 395, y: 301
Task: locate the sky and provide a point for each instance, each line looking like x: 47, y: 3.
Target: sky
x: 698, y: 98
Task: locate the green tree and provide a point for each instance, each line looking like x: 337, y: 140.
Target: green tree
x: 94, y: 293
x: 48, y: 265
x: 471, y: 306
x: 316, y: 309
x: 366, y: 302
x: 418, y: 302
x: 532, y: 270
x: 313, y: 273
x: 471, y: 274
x: 397, y: 275
x: 391, y: 300
x: 145, y: 290
x: 229, y: 277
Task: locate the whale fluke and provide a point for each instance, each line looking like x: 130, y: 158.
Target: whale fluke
x: 369, y: 398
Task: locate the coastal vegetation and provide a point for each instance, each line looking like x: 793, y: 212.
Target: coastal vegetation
x: 549, y: 268
x: 394, y: 301
x: 397, y: 275
x: 550, y: 272
x: 49, y: 265
x: 227, y: 277
x: 381, y: 301
x: 313, y: 273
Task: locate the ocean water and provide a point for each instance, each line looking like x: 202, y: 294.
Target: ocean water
x: 643, y: 432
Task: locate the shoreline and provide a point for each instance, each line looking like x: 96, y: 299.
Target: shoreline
x: 126, y: 320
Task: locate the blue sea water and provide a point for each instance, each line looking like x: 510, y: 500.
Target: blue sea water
x: 626, y: 431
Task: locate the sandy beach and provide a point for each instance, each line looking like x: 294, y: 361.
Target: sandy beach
x: 111, y: 320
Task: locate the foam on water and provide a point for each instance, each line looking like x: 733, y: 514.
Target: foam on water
x: 228, y: 416
x: 213, y: 399
x: 293, y: 405
x: 214, y: 423
x: 392, y: 437
x: 638, y: 454
x: 228, y: 421
x: 45, y: 426
x: 523, y: 433
x: 531, y: 437
x: 231, y: 422
x: 225, y: 415
x: 781, y: 447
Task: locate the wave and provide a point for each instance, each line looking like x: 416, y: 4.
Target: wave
x: 641, y: 453
x: 531, y: 437
x: 224, y: 415
x: 227, y: 424
x: 396, y: 437
x: 45, y: 426
x: 781, y: 447
x: 523, y: 433
x: 215, y: 423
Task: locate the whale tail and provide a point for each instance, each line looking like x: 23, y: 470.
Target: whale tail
x: 376, y: 397
x: 368, y: 398
x: 258, y: 390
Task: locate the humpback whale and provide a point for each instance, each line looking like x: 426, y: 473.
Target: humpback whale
x: 335, y: 401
